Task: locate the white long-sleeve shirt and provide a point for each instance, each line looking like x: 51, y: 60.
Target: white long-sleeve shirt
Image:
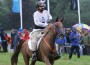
x: 41, y: 19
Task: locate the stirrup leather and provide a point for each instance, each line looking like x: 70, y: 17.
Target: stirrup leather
x: 34, y: 57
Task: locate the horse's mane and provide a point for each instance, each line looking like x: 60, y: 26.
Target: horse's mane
x: 49, y: 25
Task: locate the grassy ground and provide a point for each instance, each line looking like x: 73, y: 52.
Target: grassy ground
x: 84, y: 60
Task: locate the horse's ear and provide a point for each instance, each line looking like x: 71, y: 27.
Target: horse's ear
x: 57, y: 19
x: 62, y: 20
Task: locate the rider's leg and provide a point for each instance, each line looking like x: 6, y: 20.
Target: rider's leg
x: 34, y: 40
x: 34, y: 48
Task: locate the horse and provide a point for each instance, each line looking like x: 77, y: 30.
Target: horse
x: 46, y: 50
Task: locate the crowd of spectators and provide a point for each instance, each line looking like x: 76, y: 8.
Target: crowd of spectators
x: 8, y: 42
x: 72, y: 41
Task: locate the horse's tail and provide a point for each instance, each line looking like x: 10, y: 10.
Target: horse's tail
x: 14, y: 58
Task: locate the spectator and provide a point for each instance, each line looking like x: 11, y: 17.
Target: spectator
x: 81, y: 45
x: 74, y: 39
x: 67, y: 36
x: 15, y: 38
x: 67, y: 48
x: 26, y: 35
x: 20, y: 31
x: 86, y: 42
x: 8, y: 39
x: 60, y: 42
x: 4, y: 42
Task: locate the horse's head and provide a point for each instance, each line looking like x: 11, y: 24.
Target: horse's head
x: 59, y: 26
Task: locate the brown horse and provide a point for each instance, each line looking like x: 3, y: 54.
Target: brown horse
x: 46, y: 51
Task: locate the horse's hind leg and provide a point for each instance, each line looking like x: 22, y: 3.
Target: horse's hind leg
x: 14, y: 60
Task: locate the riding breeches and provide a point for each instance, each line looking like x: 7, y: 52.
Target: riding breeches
x: 34, y: 37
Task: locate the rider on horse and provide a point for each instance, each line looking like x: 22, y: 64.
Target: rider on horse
x: 41, y: 19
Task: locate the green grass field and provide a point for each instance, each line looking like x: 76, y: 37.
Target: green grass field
x: 84, y: 60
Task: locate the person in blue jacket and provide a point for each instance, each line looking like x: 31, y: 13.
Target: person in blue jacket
x: 60, y: 42
x: 74, y: 40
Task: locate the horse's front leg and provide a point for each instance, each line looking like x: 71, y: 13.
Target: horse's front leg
x: 51, y: 61
x: 33, y: 62
x: 46, y: 60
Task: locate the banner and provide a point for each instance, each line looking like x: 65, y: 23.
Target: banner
x: 16, y: 6
x: 74, y: 5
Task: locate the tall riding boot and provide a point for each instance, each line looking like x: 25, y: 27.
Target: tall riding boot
x: 34, y: 57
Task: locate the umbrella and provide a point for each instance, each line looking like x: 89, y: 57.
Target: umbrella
x: 81, y: 25
x: 86, y: 26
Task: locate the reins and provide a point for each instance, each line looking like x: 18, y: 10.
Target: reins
x: 51, y: 49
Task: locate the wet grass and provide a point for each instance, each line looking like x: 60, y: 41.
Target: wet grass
x: 84, y: 60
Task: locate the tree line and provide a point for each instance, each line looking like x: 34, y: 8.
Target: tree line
x: 58, y: 8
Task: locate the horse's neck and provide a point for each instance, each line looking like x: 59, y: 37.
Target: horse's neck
x: 51, y: 37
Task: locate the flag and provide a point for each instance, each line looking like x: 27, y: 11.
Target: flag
x: 74, y: 5
x: 16, y: 6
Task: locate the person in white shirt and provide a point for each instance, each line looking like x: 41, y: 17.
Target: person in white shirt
x: 41, y: 19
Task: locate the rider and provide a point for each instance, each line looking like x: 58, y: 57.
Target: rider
x: 41, y: 19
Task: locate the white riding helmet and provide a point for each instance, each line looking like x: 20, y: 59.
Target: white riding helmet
x: 40, y: 3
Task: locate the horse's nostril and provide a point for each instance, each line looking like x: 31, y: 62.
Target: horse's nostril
x: 42, y: 32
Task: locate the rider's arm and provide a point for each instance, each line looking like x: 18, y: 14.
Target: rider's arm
x: 49, y: 16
